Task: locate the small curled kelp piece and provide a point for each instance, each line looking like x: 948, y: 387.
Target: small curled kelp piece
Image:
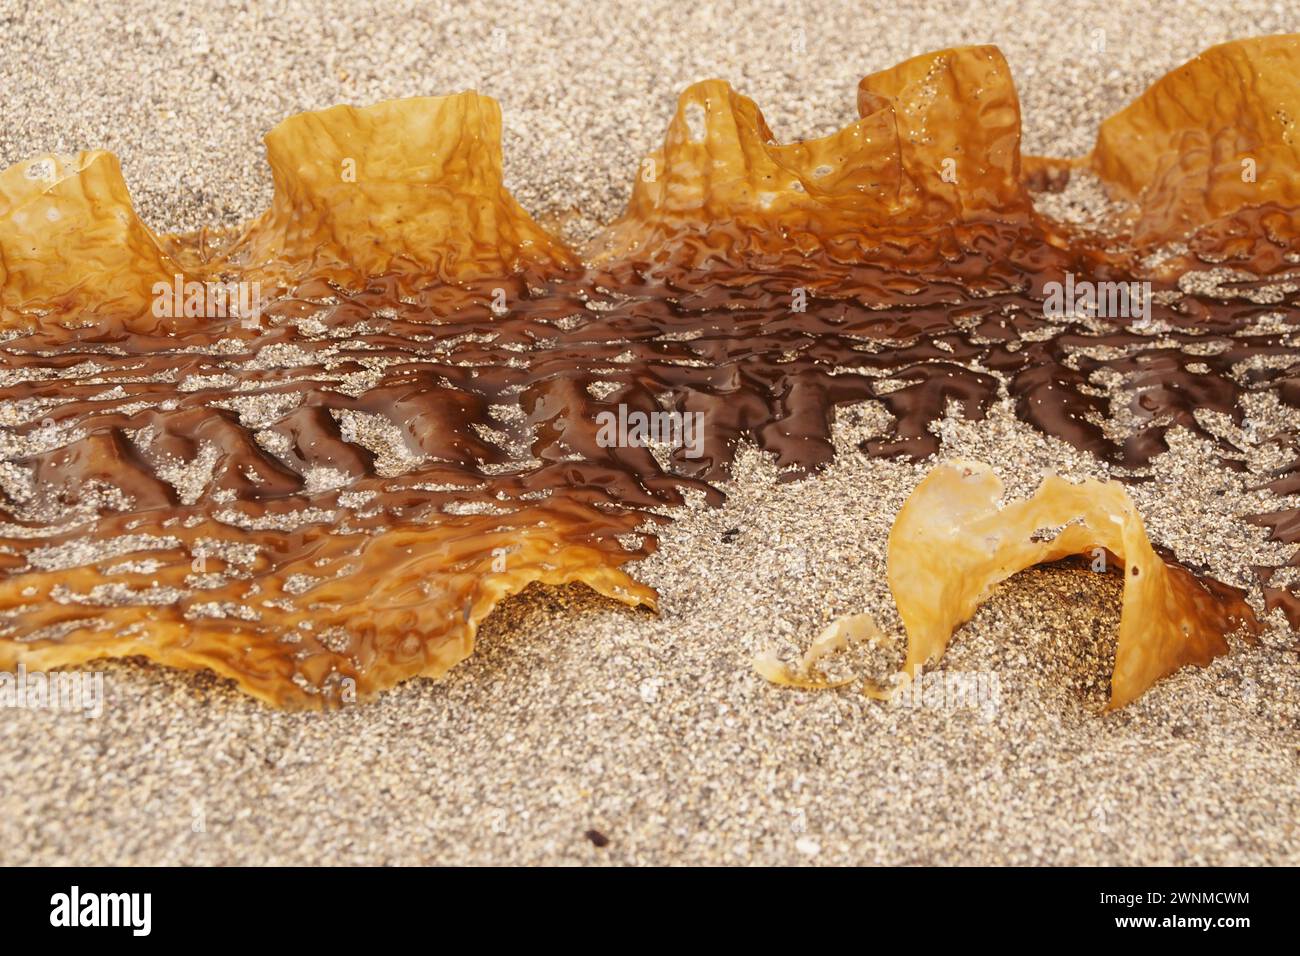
x: 835, y: 636
x: 953, y: 542
x: 72, y: 245
x: 412, y: 187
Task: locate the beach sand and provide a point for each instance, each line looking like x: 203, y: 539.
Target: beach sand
x: 583, y: 732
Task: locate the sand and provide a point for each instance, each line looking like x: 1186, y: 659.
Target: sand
x: 580, y: 723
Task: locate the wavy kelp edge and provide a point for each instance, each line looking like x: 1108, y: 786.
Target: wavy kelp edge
x: 414, y: 187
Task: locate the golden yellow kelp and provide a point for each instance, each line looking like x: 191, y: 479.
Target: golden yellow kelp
x: 957, y: 118
x: 1214, y: 136
x: 1206, y: 159
x: 71, y: 243
x: 938, y: 142
x: 313, y: 452
x: 953, y: 541
x: 411, y: 187
x: 305, y: 619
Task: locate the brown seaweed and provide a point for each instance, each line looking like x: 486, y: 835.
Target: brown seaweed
x: 390, y: 421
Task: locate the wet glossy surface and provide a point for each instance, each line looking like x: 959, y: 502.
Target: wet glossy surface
x: 332, y: 501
